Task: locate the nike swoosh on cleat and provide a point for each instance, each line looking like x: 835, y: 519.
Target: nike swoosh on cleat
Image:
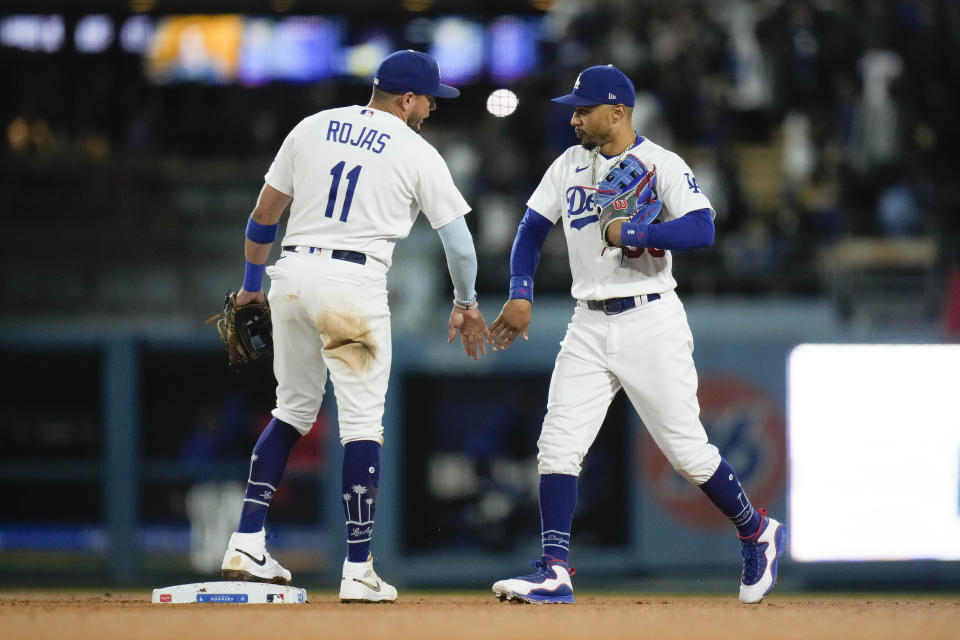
x: 368, y: 585
x: 579, y: 169
x: 262, y: 561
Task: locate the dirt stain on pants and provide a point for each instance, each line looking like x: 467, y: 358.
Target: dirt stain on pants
x: 347, y: 338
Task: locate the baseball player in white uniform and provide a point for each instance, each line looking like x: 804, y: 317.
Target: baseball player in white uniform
x: 357, y: 177
x: 629, y: 331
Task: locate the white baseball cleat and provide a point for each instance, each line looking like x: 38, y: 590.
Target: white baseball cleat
x: 549, y: 585
x: 247, y: 559
x: 761, y: 554
x: 360, y: 583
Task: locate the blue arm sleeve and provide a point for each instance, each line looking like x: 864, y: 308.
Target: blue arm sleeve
x: 694, y: 230
x: 461, y: 258
x: 525, y: 255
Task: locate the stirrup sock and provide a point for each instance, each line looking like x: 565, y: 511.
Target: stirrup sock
x: 267, y: 463
x: 724, y: 490
x: 361, y: 485
x: 558, y: 498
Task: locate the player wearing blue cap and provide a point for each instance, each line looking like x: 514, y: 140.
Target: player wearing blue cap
x: 355, y: 178
x: 629, y: 330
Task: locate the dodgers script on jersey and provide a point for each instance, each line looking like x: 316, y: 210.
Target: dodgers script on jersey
x: 368, y: 200
x: 600, y: 272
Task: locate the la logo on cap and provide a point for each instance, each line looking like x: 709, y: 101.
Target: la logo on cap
x: 576, y: 85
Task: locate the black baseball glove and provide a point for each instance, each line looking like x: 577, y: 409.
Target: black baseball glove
x: 246, y: 331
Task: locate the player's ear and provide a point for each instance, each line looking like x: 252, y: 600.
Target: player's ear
x: 406, y: 101
x: 618, y: 113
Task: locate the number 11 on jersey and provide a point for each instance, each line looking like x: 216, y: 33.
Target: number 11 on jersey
x: 352, y: 177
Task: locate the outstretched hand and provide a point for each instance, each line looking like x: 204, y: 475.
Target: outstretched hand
x: 513, y: 321
x: 473, y: 331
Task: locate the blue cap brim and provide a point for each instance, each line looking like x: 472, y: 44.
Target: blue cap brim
x: 576, y: 101
x: 446, y: 91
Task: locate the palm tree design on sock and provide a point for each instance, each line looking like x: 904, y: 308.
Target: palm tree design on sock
x: 360, y: 490
x: 347, y: 498
x: 359, y: 532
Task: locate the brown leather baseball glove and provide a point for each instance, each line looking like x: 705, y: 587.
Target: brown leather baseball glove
x: 246, y: 331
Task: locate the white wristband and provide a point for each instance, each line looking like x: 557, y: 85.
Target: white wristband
x: 466, y: 305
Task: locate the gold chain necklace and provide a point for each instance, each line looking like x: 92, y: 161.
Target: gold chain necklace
x: 616, y: 161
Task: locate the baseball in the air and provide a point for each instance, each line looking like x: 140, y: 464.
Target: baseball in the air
x: 502, y: 103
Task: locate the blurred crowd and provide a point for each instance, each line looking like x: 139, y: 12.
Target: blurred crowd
x: 808, y: 122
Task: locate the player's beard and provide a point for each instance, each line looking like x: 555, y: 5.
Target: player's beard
x: 415, y: 120
x: 588, y: 141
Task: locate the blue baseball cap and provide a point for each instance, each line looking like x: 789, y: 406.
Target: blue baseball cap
x: 604, y: 84
x: 410, y: 70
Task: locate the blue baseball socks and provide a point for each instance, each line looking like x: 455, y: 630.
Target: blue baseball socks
x: 361, y: 484
x: 267, y: 463
x: 558, y: 499
x: 724, y: 490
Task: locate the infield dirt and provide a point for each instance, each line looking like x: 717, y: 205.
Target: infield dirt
x: 131, y: 616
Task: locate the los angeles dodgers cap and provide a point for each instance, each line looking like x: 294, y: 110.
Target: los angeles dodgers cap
x: 410, y: 70
x: 603, y: 84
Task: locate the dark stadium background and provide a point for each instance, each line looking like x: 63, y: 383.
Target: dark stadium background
x: 125, y: 194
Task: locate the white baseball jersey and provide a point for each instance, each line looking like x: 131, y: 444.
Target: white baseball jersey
x: 359, y: 177
x: 599, y: 272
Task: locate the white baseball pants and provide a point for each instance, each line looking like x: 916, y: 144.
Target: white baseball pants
x: 647, y: 351
x: 331, y: 316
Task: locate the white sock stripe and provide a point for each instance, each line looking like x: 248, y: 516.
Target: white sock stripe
x: 554, y: 538
x: 266, y: 504
x: 262, y: 484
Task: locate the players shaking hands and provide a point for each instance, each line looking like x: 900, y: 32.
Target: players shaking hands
x: 512, y: 323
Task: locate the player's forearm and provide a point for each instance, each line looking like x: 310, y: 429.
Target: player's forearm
x: 256, y: 252
x: 525, y: 254
x: 461, y: 258
x: 262, y: 227
x: 694, y: 230
x: 264, y: 222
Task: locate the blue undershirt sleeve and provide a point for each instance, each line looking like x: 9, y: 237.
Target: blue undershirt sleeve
x: 525, y: 255
x: 694, y: 230
x: 461, y: 257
